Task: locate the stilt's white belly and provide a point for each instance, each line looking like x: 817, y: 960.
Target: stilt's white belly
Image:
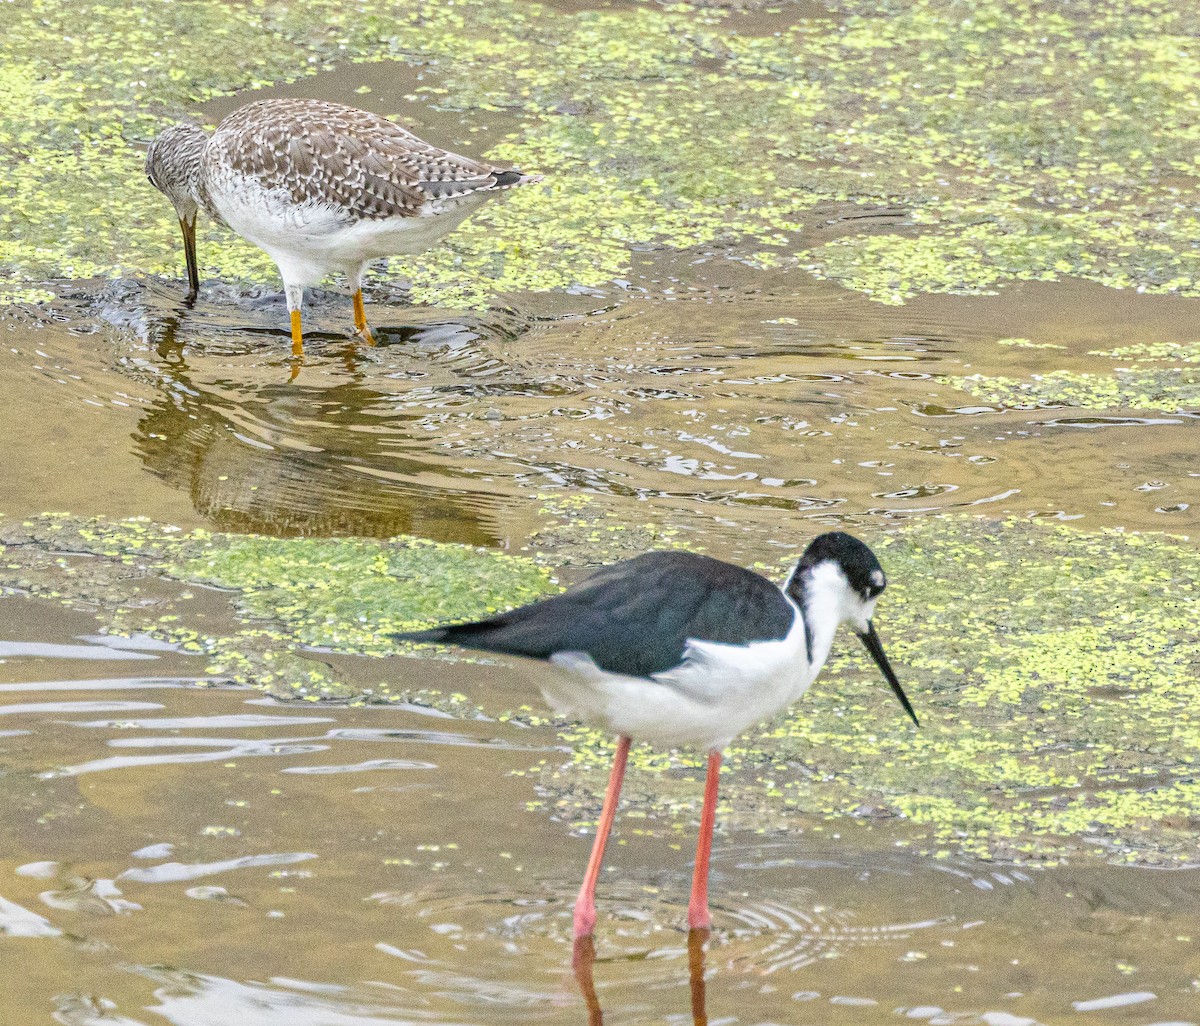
x: 716, y: 693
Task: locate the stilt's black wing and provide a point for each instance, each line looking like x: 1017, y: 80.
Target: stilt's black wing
x: 635, y: 617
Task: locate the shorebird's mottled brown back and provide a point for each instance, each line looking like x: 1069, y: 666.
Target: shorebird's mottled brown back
x: 321, y: 188
x: 362, y: 163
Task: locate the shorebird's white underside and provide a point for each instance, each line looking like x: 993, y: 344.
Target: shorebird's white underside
x: 309, y: 241
x: 716, y: 693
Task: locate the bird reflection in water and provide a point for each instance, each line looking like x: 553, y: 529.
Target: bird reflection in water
x: 336, y: 455
x: 583, y: 961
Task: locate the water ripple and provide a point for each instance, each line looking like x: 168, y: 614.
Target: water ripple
x: 175, y: 872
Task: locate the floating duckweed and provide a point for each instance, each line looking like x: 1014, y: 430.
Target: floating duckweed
x: 1056, y: 676
x: 1024, y: 343
x: 346, y: 595
x: 1055, y: 672
x: 350, y: 593
x: 656, y: 126
x: 1154, y: 352
x: 579, y: 530
x: 1145, y: 384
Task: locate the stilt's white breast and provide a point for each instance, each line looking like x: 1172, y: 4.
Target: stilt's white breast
x: 713, y: 695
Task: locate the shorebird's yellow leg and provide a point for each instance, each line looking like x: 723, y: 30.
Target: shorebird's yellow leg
x: 297, y: 335
x: 360, y: 319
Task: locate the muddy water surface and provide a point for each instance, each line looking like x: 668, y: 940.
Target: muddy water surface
x: 173, y: 853
x: 202, y: 856
x: 196, y: 856
x: 729, y: 395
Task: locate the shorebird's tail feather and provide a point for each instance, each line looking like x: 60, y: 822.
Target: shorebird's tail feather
x: 456, y: 188
x: 511, y: 179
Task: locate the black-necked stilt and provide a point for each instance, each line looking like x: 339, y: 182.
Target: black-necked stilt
x: 320, y: 187
x: 680, y: 649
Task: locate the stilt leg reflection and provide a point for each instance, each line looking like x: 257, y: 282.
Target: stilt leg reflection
x: 583, y: 958
x: 696, y: 939
x: 583, y: 961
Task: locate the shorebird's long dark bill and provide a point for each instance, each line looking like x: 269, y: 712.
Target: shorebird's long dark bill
x: 875, y: 647
x: 189, y: 254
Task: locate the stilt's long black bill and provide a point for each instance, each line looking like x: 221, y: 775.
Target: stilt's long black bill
x: 875, y: 647
x: 189, y: 254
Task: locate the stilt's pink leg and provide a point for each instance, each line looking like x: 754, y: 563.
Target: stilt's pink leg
x: 698, y: 917
x: 585, y: 904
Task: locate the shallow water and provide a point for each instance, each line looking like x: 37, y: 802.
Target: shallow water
x: 343, y: 867
x: 734, y: 397
x: 202, y: 856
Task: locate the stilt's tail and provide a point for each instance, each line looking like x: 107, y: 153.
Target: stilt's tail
x: 431, y: 636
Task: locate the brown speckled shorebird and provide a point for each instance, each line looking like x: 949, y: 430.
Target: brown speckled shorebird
x: 319, y: 187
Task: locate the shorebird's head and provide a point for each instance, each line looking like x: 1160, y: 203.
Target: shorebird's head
x: 839, y: 578
x: 173, y: 167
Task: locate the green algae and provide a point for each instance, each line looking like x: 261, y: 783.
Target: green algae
x: 1146, y: 383
x: 1026, y: 141
x: 290, y: 595
x: 577, y: 530
x: 1154, y: 352
x: 350, y: 593
x: 1055, y: 674
x: 1029, y: 141
x: 1122, y: 390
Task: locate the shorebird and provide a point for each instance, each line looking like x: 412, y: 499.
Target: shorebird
x: 675, y: 648
x: 321, y: 188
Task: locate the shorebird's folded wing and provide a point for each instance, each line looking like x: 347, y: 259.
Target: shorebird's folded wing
x: 364, y: 165
x: 636, y: 617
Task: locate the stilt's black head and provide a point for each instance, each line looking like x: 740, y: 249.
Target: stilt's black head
x: 852, y: 557
x: 839, y: 576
